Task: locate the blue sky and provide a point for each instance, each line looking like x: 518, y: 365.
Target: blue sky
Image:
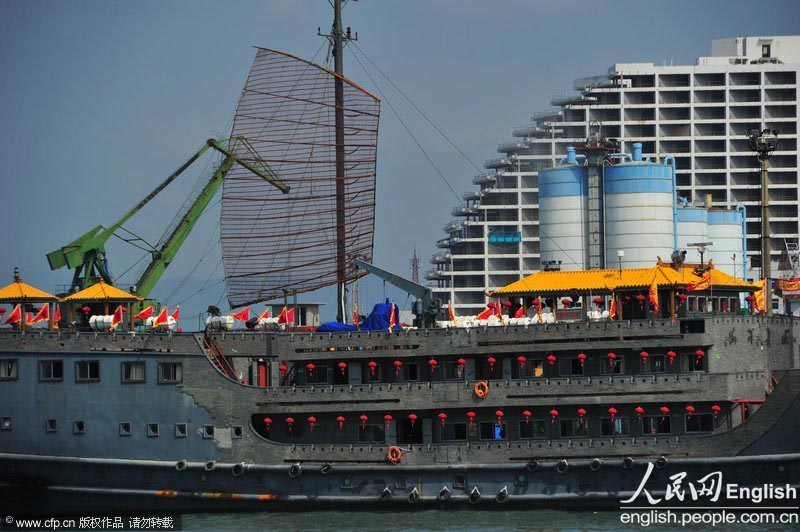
x: 99, y: 101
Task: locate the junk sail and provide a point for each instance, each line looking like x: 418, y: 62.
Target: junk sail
x: 274, y: 242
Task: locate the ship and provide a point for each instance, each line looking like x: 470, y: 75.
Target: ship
x: 578, y: 387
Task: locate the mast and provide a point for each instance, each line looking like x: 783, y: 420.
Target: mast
x: 338, y: 66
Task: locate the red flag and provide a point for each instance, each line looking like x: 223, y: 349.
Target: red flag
x: 654, y: 295
x: 162, y: 318
x: 14, y: 317
x: 452, y: 312
x: 242, y: 315
x: 520, y: 312
x: 43, y: 314
x: 355, y: 316
x: 703, y: 284
x: 176, y: 313
x: 612, y: 313
x: 788, y: 285
x: 290, y: 316
x: 392, y: 318
x: 263, y: 315
x: 485, y: 314
x: 760, y: 302
x: 144, y: 314
x: 57, y: 317
x: 117, y: 319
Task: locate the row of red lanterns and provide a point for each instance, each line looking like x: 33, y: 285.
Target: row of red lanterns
x: 499, y: 415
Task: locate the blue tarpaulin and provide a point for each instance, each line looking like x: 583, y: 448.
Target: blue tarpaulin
x: 378, y: 320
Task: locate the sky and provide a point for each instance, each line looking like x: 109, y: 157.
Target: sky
x: 101, y: 100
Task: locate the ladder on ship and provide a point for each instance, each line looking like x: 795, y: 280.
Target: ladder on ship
x: 215, y: 353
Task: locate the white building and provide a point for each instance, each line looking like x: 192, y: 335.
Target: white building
x: 700, y: 113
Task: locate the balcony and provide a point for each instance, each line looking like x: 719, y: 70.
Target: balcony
x: 453, y: 227
x: 465, y: 211
x: 436, y: 275
x: 484, y: 179
x: 471, y: 195
x: 526, y: 131
x: 511, y: 146
x: 441, y: 258
x: 577, y: 99
x: 499, y: 162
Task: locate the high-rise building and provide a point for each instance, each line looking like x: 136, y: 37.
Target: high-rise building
x: 702, y: 114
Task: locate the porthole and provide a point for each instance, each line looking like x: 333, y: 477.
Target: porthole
x: 125, y: 428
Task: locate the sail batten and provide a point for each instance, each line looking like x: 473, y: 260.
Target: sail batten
x: 273, y: 242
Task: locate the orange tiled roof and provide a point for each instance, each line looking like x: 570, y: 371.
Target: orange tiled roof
x: 18, y: 291
x: 610, y: 280
x: 102, y: 292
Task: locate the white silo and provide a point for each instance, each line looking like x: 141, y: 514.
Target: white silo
x: 692, y: 229
x: 726, y: 232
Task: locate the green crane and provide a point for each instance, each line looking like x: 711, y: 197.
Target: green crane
x: 86, y: 255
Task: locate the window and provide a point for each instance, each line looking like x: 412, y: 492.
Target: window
x: 619, y: 427
x: 655, y: 425
x: 570, y: 366
x: 654, y: 364
x: 695, y: 363
x: 454, y: 432
x: 87, y: 371
x: 180, y: 430
x: 371, y: 433
x: 450, y: 371
x: 411, y: 371
x: 570, y: 428
x: 491, y: 430
x: 79, y: 427
x: 320, y: 375
x: 700, y: 423
x: 125, y: 428
x: 208, y: 431
x: 531, y: 368
x: 612, y: 367
x: 535, y: 428
x: 51, y: 425
x: 692, y: 304
x: 51, y: 370
x: 9, y: 369
x: 236, y: 432
x: 132, y: 372
x: 170, y: 372
x: 5, y: 423
x: 152, y: 430
x: 766, y: 50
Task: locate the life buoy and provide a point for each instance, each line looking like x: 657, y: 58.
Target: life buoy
x: 481, y: 389
x: 394, y: 454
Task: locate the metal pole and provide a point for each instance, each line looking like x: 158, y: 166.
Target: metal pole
x: 338, y: 66
x: 766, y: 261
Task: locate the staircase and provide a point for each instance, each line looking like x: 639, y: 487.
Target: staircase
x: 215, y: 354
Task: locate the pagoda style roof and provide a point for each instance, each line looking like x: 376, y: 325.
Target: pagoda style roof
x: 608, y: 281
x: 18, y: 292
x: 101, y: 292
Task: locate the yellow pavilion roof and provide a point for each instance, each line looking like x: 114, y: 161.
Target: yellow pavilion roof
x: 18, y: 291
x: 600, y: 281
x: 101, y: 292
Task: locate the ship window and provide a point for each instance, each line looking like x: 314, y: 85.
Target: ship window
x: 236, y: 432
x: 208, y: 431
x: 454, y: 432
x: 411, y: 371
x: 694, y: 363
x: 51, y: 425
x: 655, y: 425
x: 79, y: 427
x: 734, y: 305
x: 654, y: 364
x: 619, y: 427
x: 320, y: 376
x: 9, y: 369
x: 612, y: 367
x: 371, y: 433
x: 51, y: 370
x: 180, y: 430
x: 133, y: 372
x: 125, y: 428
x: 700, y: 423
x: 766, y: 50
x: 152, y: 430
x: 170, y: 372
x: 536, y: 428
x: 531, y: 368
x: 87, y: 371
x: 570, y: 428
x: 692, y: 304
x: 491, y: 430
x: 450, y: 371
x: 5, y: 423
x: 570, y: 366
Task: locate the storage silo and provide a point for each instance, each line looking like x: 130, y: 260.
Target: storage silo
x: 726, y: 232
x: 692, y: 229
x: 639, y: 211
x: 563, y: 222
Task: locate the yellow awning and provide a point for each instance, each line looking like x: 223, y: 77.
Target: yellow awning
x: 101, y: 292
x: 18, y: 292
x: 607, y: 281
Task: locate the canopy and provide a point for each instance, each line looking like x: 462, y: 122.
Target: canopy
x: 378, y: 320
x: 607, y: 281
x: 18, y: 292
x: 101, y: 292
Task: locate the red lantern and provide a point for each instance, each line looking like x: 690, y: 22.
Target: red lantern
x: 551, y: 359
x: 627, y: 299
x: 491, y: 361
x: 342, y: 368
x: 387, y: 419
x: 180, y: 329
x: 611, y: 358
x: 716, y: 409
x: 582, y: 358
x: 2, y: 311
x: 432, y: 364
x: 664, y: 410
x: 689, y: 410
x: 372, y: 367
x: 412, y: 418
x: 461, y: 363
x: 566, y: 301
x: 442, y: 417
x: 640, y: 298
x: 312, y: 422
x: 471, y: 417
x: 598, y: 301
x: 267, y: 423
x: 340, y: 420
x: 491, y: 304
x: 553, y: 415
x: 749, y: 299
x: 527, y: 415
x: 681, y: 299
x: 289, y: 423
x: 639, y: 412
x: 283, y: 369
x: 86, y: 310
x: 310, y: 367
x: 699, y: 354
x: 397, y: 367
x: 644, y: 355
x: 536, y: 303
x: 363, y: 418
x: 499, y: 416
x: 506, y: 304
x: 613, y: 413
x: 521, y: 360
x: 581, y: 413
x: 671, y: 356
